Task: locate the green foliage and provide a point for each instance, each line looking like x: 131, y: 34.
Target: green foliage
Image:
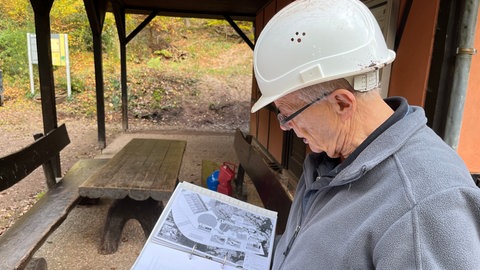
x: 165, y: 53
x: 40, y: 195
x: 157, y: 94
x: 167, y: 57
x: 77, y: 83
x: 13, y: 50
x: 15, y: 22
x: 30, y: 95
x: 114, y: 94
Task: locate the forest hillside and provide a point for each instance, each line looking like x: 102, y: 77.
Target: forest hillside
x: 181, y: 71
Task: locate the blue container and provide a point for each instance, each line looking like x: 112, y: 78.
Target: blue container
x: 212, y: 181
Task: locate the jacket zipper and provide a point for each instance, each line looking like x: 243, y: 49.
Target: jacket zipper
x: 294, y: 236
x: 290, y: 243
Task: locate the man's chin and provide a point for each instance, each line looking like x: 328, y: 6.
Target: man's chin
x: 315, y: 150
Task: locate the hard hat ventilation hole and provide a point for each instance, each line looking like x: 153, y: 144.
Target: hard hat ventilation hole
x: 299, y: 39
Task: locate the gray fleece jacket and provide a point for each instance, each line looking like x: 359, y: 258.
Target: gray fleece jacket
x: 403, y: 200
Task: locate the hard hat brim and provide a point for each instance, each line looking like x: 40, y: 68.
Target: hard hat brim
x: 264, y: 101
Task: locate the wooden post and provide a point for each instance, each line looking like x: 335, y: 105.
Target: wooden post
x: 48, y: 169
x: 96, y: 11
x: 119, y: 12
x: 41, y: 9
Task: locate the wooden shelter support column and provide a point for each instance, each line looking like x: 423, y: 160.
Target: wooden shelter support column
x: 99, y: 87
x: 119, y: 13
x: 41, y: 9
x: 96, y: 11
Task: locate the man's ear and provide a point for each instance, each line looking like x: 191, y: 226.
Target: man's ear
x: 344, y: 102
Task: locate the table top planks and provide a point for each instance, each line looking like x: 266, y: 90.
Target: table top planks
x: 142, y: 169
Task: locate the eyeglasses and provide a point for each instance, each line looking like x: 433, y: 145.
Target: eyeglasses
x: 285, y: 119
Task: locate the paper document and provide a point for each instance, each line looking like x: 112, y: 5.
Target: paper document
x: 203, y: 229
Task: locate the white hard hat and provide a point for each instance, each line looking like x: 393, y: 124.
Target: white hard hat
x: 314, y: 41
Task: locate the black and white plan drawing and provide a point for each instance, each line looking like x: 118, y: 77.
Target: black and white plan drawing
x: 219, y: 230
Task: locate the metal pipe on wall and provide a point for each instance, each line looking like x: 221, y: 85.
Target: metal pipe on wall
x: 463, y: 60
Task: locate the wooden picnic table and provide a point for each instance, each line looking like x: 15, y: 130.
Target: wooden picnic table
x: 140, y: 177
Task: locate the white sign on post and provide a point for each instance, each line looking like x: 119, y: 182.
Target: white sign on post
x: 59, y: 47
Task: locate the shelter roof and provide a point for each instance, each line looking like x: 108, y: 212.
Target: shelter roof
x: 235, y: 9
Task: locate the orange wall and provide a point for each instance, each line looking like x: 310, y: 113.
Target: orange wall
x: 410, y: 70
x: 470, y: 132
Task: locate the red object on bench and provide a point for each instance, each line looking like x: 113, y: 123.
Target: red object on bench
x: 227, y: 174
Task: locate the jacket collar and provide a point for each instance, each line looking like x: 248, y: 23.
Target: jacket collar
x: 381, y: 144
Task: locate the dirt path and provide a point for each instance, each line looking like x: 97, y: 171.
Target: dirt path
x: 220, y: 106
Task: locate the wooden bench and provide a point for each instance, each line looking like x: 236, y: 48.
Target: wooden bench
x: 267, y: 181
x: 19, y: 243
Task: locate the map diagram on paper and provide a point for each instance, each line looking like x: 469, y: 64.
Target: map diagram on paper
x: 218, y: 230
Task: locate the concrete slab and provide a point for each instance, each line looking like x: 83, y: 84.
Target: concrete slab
x: 74, y: 245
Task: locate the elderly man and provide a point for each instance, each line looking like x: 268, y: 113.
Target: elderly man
x: 381, y: 190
